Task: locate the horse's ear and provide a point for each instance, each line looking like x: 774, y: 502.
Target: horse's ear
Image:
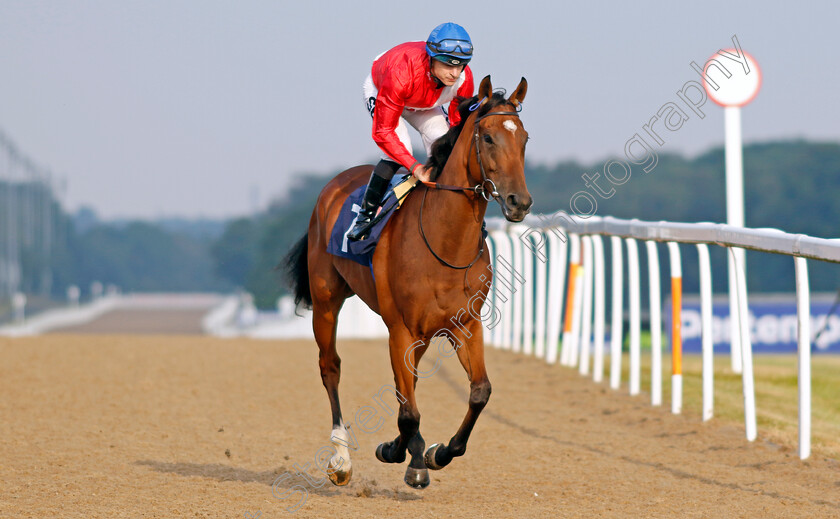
x: 519, y: 94
x: 485, y: 89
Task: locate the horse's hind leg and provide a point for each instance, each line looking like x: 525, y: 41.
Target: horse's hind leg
x: 328, y: 294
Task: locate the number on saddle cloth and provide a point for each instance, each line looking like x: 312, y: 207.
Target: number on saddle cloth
x: 362, y: 251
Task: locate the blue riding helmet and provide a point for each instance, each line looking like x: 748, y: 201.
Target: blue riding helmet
x: 450, y: 43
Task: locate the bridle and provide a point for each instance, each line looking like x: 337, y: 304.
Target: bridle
x: 480, y: 189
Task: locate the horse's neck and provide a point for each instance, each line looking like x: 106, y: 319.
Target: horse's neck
x: 458, y: 214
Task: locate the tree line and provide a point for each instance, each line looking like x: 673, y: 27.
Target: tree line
x: 790, y: 185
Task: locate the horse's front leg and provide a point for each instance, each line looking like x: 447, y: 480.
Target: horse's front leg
x: 408, y: 418
x: 471, y: 355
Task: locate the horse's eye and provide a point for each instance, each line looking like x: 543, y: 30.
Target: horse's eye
x: 488, y: 139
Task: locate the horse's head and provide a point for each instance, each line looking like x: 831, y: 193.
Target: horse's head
x: 500, y: 139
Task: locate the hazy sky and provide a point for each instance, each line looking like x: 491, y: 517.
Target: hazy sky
x: 184, y: 108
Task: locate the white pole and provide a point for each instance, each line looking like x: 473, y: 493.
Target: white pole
x: 676, y: 328
x: 496, y: 332
x: 734, y: 319
x: 19, y: 307
x: 557, y: 281
x: 519, y: 296
x: 541, y: 289
x: 734, y: 213
x: 617, y: 321
x: 509, y: 307
x: 528, y: 289
x: 571, y: 313
x: 707, y: 333
x: 746, y: 353
x: 803, y: 314
x: 586, y: 310
x: 503, y: 297
x: 734, y: 167
x: 600, y: 302
x: 655, y: 324
x: 524, y: 321
x: 577, y: 314
x: 635, y: 316
x: 73, y: 294
x: 490, y: 333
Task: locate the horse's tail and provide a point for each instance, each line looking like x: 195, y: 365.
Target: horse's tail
x: 297, y: 271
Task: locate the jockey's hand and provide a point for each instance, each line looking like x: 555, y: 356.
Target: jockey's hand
x: 423, y: 173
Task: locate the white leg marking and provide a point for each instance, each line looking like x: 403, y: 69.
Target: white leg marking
x: 340, y: 440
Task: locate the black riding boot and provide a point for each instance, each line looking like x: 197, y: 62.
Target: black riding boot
x: 376, y: 188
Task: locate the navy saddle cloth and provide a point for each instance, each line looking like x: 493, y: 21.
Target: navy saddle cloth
x: 362, y: 251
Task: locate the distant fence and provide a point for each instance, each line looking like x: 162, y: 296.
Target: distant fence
x: 546, y: 261
x: 28, y: 211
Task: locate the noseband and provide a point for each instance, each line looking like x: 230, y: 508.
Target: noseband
x: 480, y: 189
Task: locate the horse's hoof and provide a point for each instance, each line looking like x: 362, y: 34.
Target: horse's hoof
x: 379, y: 455
x: 340, y: 478
x: 416, y: 478
x: 429, y: 457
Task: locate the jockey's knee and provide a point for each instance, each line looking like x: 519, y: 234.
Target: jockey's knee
x: 386, y: 169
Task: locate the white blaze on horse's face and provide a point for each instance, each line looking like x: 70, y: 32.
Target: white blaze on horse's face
x: 510, y: 126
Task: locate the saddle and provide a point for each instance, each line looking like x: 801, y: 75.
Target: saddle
x: 362, y: 251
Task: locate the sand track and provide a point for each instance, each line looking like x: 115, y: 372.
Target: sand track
x: 192, y: 426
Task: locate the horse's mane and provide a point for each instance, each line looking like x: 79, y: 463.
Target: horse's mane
x: 442, y: 148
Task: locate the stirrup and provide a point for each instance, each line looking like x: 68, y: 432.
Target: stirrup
x: 362, y: 228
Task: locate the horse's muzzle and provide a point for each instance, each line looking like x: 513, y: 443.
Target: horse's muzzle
x: 517, y: 206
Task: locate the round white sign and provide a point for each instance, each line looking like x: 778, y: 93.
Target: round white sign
x: 738, y: 89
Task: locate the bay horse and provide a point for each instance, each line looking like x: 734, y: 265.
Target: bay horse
x: 429, y: 257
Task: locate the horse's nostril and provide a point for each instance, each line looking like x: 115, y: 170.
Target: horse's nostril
x: 515, y: 201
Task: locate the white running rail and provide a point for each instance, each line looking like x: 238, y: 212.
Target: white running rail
x: 551, y: 258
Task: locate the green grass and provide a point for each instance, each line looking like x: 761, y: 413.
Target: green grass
x: 776, y: 396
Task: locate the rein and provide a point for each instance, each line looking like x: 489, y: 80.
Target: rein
x: 429, y: 246
x: 478, y: 189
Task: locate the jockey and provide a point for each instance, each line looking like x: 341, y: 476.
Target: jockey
x: 411, y: 83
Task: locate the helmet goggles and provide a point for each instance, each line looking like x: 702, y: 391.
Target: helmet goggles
x: 452, y: 47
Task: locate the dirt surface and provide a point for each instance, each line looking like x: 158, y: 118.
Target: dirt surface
x: 188, y: 426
